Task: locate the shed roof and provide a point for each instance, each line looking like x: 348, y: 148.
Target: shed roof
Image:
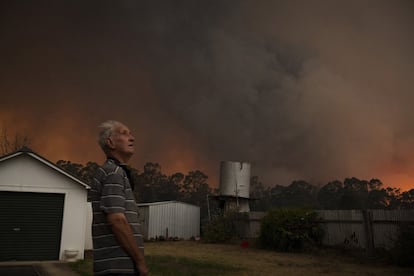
x: 28, y: 152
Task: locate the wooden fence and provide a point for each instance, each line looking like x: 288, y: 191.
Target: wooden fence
x: 367, y: 229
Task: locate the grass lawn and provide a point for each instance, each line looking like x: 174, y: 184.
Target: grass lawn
x: 196, y: 258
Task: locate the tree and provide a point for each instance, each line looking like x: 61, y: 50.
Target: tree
x: 330, y: 195
x: 297, y: 194
x: 88, y: 171
x: 172, y: 189
x: 8, y: 145
x: 150, y: 182
x: 72, y: 168
x: 259, y: 195
x: 407, y: 200
x: 84, y: 173
x: 194, y: 189
x: 374, y: 184
x: 276, y: 196
x: 377, y: 199
x: 355, y: 194
x: 194, y: 182
x: 393, y: 197
x: 377, y: 196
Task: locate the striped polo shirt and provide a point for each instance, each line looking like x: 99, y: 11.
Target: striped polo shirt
x: 111, y: 193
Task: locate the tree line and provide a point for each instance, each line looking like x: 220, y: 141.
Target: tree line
x: 152, y: 185
x: 352, y: 193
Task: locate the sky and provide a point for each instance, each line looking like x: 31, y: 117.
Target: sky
x: 302, y: 90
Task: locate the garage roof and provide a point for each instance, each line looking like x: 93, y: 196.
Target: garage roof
x: 27, y: 151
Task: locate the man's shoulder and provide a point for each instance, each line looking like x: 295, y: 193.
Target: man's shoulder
x: 109, y: 164
x: 109, y: 167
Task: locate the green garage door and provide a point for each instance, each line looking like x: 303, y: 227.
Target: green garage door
x: 30, y: 226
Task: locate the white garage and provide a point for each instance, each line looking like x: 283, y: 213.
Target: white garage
x: 43, y: 210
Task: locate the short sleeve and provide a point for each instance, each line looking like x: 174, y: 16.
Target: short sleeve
x: 113, y: 194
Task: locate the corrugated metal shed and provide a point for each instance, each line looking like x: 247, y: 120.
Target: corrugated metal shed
x: 169, y: 219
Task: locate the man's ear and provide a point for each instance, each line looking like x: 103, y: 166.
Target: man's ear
x: 110, y: 143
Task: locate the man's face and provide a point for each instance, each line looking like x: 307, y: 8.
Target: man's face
x: 122, y: 141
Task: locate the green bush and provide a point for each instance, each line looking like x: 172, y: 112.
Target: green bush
x: 403, y: 252
x: 223, y: 227
x: 290, y: 230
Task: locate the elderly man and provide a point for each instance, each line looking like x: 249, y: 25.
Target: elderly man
x: 117, y: 241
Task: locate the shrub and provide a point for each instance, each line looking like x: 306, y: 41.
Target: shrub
x: 223, y: 227
x: 290, y: 230
x: 403, y: 252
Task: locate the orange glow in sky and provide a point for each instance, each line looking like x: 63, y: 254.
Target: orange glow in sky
x: 316, y: 91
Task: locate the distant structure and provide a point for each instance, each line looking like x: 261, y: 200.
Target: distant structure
x: 234, y: 189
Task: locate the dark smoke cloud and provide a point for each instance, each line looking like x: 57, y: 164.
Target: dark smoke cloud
x: 314, y: 90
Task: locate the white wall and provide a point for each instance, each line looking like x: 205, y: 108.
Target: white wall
x: 26, y: 174
x: 88, y: 228
x: 181, y: 219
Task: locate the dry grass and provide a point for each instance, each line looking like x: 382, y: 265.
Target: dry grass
x: 253, y: 261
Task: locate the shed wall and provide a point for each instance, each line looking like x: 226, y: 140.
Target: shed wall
x: 170, y: 220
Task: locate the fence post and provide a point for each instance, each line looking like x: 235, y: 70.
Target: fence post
x: 369, y: 233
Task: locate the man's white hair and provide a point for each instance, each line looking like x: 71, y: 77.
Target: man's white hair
x: 107, y: 128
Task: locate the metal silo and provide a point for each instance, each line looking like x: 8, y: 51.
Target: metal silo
x: 235, y: 179
x: 235, y: 184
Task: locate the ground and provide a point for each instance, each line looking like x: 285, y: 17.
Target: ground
x: 238, y: 258
x: 254, y: 261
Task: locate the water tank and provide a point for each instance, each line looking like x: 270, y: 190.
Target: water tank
x: 235, y: 179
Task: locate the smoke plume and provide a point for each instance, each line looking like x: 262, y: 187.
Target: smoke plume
x: 313, y: 90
